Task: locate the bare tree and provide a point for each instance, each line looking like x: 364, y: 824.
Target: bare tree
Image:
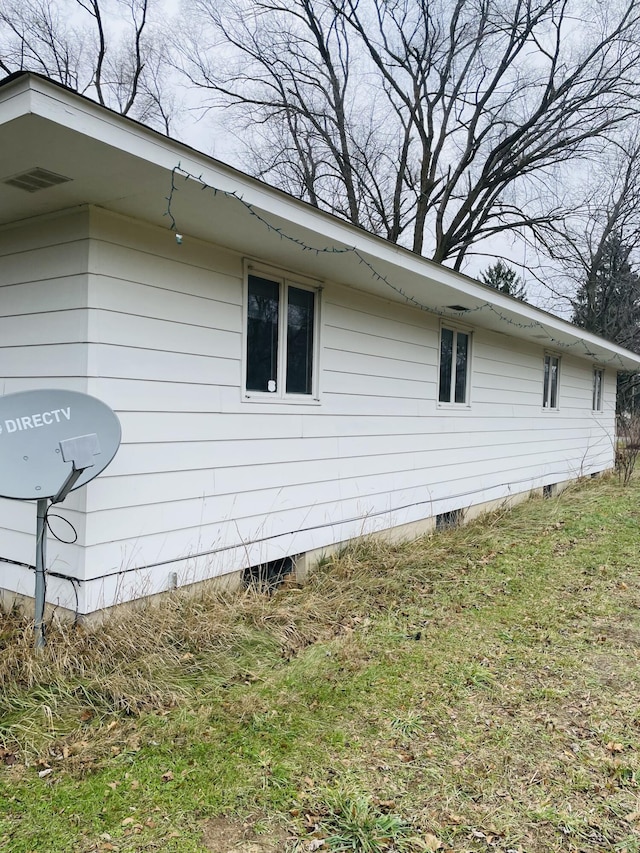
x: 627, y: 445
x: 289, y: 70
x: 437, y: 123
x: 106, y: 49
x: 602, y: 234
x: 597, y: 252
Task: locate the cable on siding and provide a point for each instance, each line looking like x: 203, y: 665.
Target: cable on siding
x: 245, y: 542
x: 75, y: 582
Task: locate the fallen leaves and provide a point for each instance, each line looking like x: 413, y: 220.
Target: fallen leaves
x: 552, y: 742
x: 8, y: 757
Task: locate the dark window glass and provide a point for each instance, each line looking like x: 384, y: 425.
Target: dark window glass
x: 554, y: 383
x: 446, y: 363
x: 262, y: 334
x: 550, y: 389
x: 545, y: 389
x: 597, y: 390
x: 300, y: 309
x: 462, y: 349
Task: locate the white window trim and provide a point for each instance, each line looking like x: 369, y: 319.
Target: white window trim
x: 284, y: 279
x: 455, y: 327
x: 555, y: 408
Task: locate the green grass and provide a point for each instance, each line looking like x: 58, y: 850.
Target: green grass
x: 478, y: 690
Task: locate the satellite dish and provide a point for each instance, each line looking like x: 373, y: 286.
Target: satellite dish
x: 46, y: 435
x: 52, y: 441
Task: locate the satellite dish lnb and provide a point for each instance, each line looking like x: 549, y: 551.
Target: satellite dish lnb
x: 53, y: 441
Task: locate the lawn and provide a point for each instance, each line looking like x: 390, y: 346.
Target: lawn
x: 477, y: 690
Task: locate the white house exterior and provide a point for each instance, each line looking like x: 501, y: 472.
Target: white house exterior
x: 364, y: 420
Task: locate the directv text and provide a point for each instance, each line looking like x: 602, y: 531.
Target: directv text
x: 38, y: 419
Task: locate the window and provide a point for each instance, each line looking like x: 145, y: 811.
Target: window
x: 598, y: 381
x: 454, y: 366
x: 281, y: 320
x: 551, y: 377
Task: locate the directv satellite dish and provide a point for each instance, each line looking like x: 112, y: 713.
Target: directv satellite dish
x: 51, y: 442
x: 44, y: 434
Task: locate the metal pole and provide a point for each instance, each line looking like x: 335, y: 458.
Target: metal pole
x: 41, y: 559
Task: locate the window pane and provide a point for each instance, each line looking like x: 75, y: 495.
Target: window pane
x: 262, y: 334
x: 597, y: 390
x: 446, y: 362
x: 462, y: 352
x: 300, y: 310
x: 553, y: 382
x: 545, y: 391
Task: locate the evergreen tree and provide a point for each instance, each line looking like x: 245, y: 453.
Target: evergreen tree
x: 504, y: 279
x: 608, y: 304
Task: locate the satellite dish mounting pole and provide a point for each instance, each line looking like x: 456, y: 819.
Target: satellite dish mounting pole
x: 41, y: 432
x: 41, y: 558
x: 80, y: 452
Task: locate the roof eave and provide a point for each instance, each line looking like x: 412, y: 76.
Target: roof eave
x: 277, y: 225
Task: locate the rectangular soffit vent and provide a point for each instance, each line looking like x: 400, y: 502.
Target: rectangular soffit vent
x: 36, y: 179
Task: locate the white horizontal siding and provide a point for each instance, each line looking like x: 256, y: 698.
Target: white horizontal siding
x: 47, y: 264
x: 43, y: 343
x: 37, y: 297
x: 213, y: 471
x: 211, y: 499
x: 54, y: 327
x: 53, y: 363
x: 151, y: 306
x: 142, y: 367
x: 378, y: 366
x: 147, y: 255
x: 370, y: 344
x: 218, y: 453
x: 119, y: 329
x: 357, y: 474
x: 206, y: 482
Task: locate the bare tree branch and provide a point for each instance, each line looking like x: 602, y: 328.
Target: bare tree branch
x: 435, y: 122
x: 95, y: 49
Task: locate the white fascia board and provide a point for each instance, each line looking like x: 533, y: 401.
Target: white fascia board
x: 15, y: 99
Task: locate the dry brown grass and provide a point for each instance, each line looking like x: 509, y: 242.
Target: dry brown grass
x: 155, y: 656
x: 484, y: 680
x: 151, y: 655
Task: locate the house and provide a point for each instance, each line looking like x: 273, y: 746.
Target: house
x: 285, y: 381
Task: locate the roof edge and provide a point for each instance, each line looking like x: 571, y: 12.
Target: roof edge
x: 270, y: 200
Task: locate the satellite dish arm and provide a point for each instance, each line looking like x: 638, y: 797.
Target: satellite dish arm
x: 67, y: 485
x: 80, y: 452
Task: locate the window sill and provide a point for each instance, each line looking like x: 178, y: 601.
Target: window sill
x: 454, y: 407
x: 274, y: 400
